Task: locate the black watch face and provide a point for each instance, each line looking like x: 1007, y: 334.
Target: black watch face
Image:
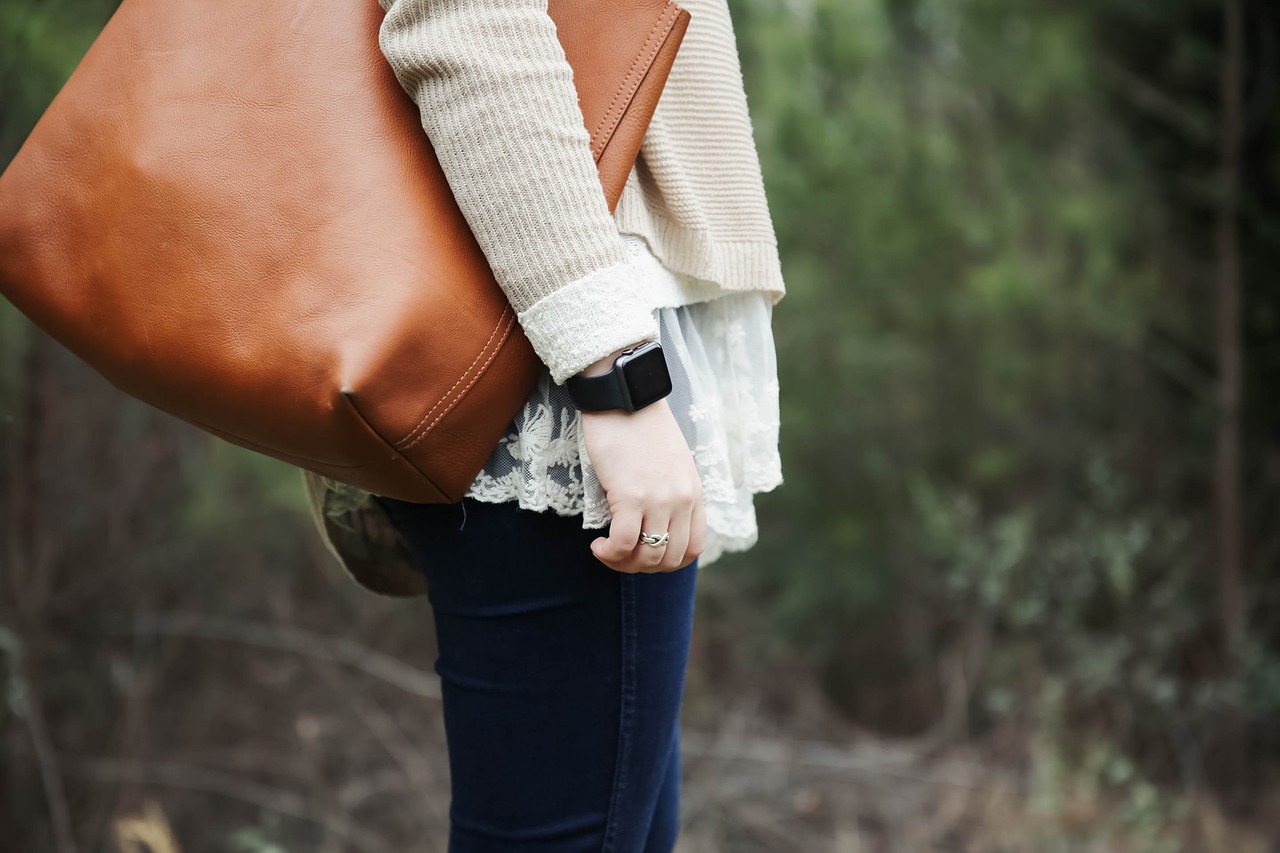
x: 646, y: 377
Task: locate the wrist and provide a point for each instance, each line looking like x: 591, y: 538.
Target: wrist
x: 630, y: 380
x: 604, y: 365
x: 649, y: 412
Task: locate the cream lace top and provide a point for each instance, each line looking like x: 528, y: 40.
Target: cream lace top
x: 720, y: 352
x: 496, y: 98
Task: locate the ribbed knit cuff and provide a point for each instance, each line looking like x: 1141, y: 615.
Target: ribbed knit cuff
x: 586, y: 320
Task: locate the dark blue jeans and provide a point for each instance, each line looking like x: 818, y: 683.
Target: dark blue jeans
x: 562, y: 681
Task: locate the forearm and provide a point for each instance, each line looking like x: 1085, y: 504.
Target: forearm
x: 497, y: 101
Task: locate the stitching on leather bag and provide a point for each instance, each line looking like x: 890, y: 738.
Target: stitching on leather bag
x: 498, y: 348
x: 462, y: 378
x: 378, y: 436
x: 630, y: 83
x: 633, y: 79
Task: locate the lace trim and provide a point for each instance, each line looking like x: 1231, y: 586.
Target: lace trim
x: 725, y: 398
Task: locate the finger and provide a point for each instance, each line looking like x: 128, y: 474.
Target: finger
x: 697, y: 532
x: 624, y: 532
x: 679, y: 530
x: 648, y: 558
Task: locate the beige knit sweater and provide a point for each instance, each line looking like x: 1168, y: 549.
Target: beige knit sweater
x: 497, y: 101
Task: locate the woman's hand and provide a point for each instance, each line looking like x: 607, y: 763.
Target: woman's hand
x: 651, y: 483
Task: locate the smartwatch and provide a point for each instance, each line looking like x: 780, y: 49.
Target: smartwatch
x: 639, y: 377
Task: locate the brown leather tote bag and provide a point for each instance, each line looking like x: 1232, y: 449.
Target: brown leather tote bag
x: 231, y: 211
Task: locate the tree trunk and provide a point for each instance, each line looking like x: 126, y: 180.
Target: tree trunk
x: 1232, y: 607
x: 1227, y: 498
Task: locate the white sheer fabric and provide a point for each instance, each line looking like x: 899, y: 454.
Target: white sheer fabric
x: 723, y: 365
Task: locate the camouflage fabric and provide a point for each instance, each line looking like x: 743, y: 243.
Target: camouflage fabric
x: 356, y: 530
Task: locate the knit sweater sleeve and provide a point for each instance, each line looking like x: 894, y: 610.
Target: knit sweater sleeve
x: 497, y: 101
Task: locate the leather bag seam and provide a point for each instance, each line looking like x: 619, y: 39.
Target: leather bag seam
x: 378, y: 436
x: 233, y: 438
x: 413, y: 433
x: 463, y: 393
x: 631, y: 83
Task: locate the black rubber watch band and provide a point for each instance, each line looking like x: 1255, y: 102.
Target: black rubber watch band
x: 638, y: 378
x: 597, y: 393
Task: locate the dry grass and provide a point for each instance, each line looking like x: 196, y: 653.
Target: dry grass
x: 272, y: 737
x: 147, y: 832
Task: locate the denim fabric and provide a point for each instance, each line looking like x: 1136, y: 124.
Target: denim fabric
x: 562, y: 681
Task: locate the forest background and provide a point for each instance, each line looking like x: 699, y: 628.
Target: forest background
x: 1018, y: 592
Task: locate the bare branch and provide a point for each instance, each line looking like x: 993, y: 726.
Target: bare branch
x: 26, y: 703
x: 1161, y: 106
x: 192, y: 778
x: 297, y: 641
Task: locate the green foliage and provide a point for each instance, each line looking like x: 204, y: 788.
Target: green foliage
x: 258, y: 840
x: 966, y: 281
x: 43, y: 41
x: 1118, y: 806
x: 996, y: 358
x: 996, y: 404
